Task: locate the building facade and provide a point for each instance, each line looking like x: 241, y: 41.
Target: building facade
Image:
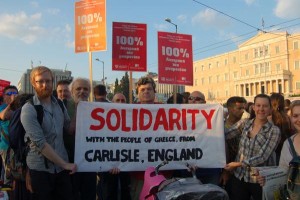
x: 266, y: 63
x: 24, y: 85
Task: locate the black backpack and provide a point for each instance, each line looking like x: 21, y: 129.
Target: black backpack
x: 293, y: 178
x: 18, y: 148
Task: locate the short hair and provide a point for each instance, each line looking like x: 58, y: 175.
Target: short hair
x: 263, y: 96
x: 63, y: 82
x: 233, y: 100
x: 294, y: 104
x: 10, y: 87
x: 179, y: 99
x: 145, y: 80
x: 39, y: 70
x: 100, y: 90
x: 79, y: 79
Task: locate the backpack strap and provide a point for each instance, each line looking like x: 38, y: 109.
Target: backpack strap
x: 61, y: 105
x: 40, y: 116
x: 294, y: 153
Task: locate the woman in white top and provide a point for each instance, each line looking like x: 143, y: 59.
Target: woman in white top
x: 286, y: 153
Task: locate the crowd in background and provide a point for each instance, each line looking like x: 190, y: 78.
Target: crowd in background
x: 255, y: 134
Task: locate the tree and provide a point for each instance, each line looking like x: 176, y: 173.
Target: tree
x: 125, y: 86
x: 117, y: 87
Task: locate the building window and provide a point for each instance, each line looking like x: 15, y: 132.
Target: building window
x: 247, y: 72
x: 277, y: 49
x: 297, y: 85
x: 256, y: 53
x: 296, y: 45
x: 278, y: 67
x: 267, y: 67
x: 235, y: 74
x: 195, y: 69
x: 234, y: 59
x: 209, y: 79
x: 261, y: 51
x: 266, y: 50
x: 218, y: 77
x: 256, y: 71
x: 225, y: 62
x: 246, y: 56
x: 226, y: 93
x: 297, y: 64
x: 202, y: 67
x: 209, y: 66
x: 202, y: 81
x: 217, y: 63
x: 196, y: 82
x: 262, y: 68
x: 226, y: 77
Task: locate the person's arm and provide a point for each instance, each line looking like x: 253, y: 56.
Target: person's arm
x: 235, y: 130
x: 5, y: 113
x: 49, y: 153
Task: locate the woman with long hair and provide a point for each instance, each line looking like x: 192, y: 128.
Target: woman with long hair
x: 281, y: 120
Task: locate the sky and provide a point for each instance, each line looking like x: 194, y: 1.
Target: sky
x: 42, y: 32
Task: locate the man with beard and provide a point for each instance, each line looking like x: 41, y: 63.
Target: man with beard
x: 83, y: 183
x: 47, y: 158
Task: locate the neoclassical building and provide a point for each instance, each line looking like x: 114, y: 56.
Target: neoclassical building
x: 266, y: 63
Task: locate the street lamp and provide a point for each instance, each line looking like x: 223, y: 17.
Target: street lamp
x: 170, y: 21
x: 174, y: 86
x: 103, y: 68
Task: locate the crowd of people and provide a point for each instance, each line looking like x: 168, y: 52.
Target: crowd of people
x: 255, y: 135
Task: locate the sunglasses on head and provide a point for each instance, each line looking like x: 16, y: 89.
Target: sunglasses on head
x: 195, y: 98
x: 11, y: 93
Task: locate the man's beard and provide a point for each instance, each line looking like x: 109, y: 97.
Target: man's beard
x: 43, y: 93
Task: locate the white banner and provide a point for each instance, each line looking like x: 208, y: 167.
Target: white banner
x: 133, y: 137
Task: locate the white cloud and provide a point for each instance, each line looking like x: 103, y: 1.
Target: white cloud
x: 21, y: 26
x: 182, y: 18
x: 249, y: 2
x: 161, y: 27
x: 209, y: 18
x: 287, y: 9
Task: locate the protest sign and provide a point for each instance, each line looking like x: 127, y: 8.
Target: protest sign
x: 275, y: 180
x: 135, y: 136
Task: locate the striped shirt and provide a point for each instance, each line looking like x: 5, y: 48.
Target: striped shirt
x: 256, y: 151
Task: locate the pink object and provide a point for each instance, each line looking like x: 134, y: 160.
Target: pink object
x: 151, y: 184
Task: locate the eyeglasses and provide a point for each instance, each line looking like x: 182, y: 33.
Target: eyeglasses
x: 11, y: 93
x: 42, y: 82
x: 120, y: 100
x: 195, y: 98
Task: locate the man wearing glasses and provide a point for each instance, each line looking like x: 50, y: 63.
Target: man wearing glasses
x: 206, y: 175
x: 47, y: 158
x: 197, y: 97
x: 9, y: 94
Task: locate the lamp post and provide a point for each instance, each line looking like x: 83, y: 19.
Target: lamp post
x: 174, y: 86
x: 103, y: 69
x: 170, y: 21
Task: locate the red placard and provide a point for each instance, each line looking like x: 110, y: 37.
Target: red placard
x: 175, y: 58
x: 129, y: 50
x: 90, y: 26
x: 3, y: 84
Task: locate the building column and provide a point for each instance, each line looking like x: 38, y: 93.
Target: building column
x: 266, y: 88
x: 288, y: 86
x: 271, y: 86
x: 259, y: 85
x: 250, y: 90
x: 282, y: 86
